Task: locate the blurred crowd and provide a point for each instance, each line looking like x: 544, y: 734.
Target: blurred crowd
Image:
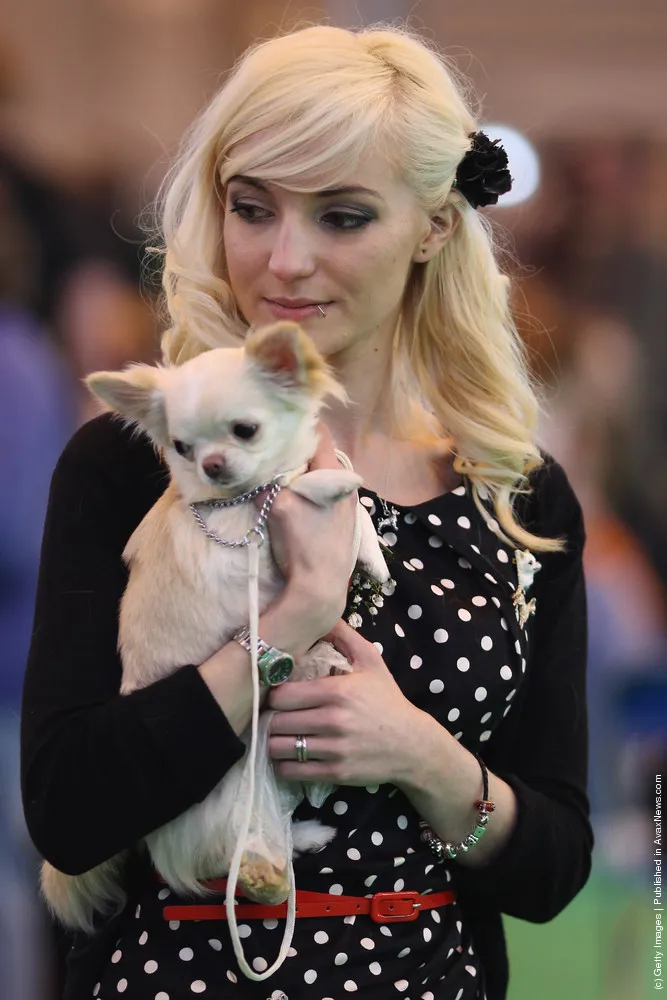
x: 590, y: 302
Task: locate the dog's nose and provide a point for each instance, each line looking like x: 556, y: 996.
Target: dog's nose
x: 215, y: 466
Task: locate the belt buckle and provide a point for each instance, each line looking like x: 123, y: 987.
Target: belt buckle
x: 390, y: 906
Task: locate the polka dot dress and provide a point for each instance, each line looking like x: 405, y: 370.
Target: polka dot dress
x: 449, y: 632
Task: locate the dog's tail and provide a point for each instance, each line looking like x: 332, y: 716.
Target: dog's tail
x: 75, y: 899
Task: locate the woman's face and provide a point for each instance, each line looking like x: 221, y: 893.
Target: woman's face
x: 351, y: 251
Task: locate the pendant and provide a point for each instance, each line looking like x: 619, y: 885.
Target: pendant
x: 523, y: 609
x: 390, y: 519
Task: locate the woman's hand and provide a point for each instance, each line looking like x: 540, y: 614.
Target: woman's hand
x: 313, y: 545
x: 359, y: 726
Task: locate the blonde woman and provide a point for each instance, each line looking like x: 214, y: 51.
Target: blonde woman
x: 336, y: 179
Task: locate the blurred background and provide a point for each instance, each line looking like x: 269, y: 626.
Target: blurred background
x: 94, y: 95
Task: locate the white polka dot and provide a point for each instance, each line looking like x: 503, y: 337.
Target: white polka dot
x: 399, y: 885
x: 231, y: 976
x: 367, y: 943
x: 486, y: 717
x: 366, y: 501
x: 523, y: 666
x: 326, y: 871
x: 385, y: 930
x: 161, y: 996
x: 483, y: 737
x: 453, y: 714
x: 401, y: 985
x: 459, y: 994
x: 368, y: 882
x: 428, y: 933
x: 502, y: 556
x: 353, y: 854
x: 351, y: 917
x: 434, y: 519
x: 417, y: 563
x: 480, y: 694
x: 437, y: 591
x: 398, y: 861
x: 492, y: 524
x: 97, y: 989
x: 122, y: 985
x: 459, y: 925
x: 174, y: 924
x: 449, y: 584
x: 150, y: 966
x: 463, y: 522
x: 440, y: 635
x: 479, y: 602
x: 399, y: 631
x: 217, y: 945
x: 460, y: 491
x: 435, y: 542
x: 503, y: 624
x: 408, y: 566
x: 402, y: 822
x: 340, y: 807
x: 259, y: 964
x: 116, y: 957
x: 163, y: 893
x: 471, y: 969
x: 292, y: 952
x: 464, y: 615
x: 199, y: 986
x: 321, y: 937
x: 270, y: 923
x: 510, y: 695
x: 310, y: 976
x: 340, y: 959
x: 517, y: 646
x: 137, y: 912
x: 403, y: 952
x: 487, y: 642
x: 436, y: 686
x: 436, y: 916
x: 186, y: 954
x: 463, y: 663
x: 144, y: 938
x: 410, y: 518
x: 475, y: 549
x: 415, y: 662
x: 428, y: 869
x: 379, y: 647
x: 389, y: 538
x: 506, y: 673
x: 377, y: 838
x: 457, y: 736
x: 336, y: 889
x: 428, y: 995
x: 464, y: 564
x: 496, y: 601
x: 492, y: 579
x: 375, y: 968
x: 506, y: 710
x: 350, y: 986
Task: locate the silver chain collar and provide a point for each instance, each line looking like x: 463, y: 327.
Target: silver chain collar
x: 273, y: 487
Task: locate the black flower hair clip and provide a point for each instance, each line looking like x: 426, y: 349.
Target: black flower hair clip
x: 483, y: 173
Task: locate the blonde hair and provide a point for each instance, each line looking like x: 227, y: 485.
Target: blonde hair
x: 315, y: 101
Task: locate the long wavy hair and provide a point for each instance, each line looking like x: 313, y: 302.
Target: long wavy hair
x: 315, y: 101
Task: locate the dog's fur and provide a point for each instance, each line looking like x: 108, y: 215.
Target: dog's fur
x: 186, y: 595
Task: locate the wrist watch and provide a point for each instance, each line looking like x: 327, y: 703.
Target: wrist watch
x: 275, y: 665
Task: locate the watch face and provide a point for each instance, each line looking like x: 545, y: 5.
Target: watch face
x: 276, y: 667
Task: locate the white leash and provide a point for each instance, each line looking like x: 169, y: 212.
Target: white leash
x: 232, y: 879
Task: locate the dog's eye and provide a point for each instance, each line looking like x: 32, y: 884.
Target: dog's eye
x: 244, y: 431
x: 186, y: 450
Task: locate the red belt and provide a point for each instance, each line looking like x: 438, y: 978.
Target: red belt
x: 383, y: 907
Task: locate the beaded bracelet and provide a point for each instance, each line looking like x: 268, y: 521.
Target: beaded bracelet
x: 447, y: 850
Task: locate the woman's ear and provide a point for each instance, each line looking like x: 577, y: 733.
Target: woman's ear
x: 443, y: 226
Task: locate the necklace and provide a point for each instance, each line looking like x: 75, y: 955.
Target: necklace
x: 390, y: 519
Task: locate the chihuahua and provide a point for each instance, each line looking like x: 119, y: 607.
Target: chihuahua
x: 226, y: 422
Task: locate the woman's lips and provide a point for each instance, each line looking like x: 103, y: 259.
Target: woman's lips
x: 298, y: 312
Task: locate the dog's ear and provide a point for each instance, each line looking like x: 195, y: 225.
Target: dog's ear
x: 288, y: 356
x: 135, y: 394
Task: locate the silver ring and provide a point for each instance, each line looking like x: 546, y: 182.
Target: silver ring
x: 301, y: 749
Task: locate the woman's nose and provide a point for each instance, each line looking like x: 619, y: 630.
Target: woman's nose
x: 292, y: 255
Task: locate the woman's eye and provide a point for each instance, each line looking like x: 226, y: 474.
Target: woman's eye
x: 186, y: 450
x: 345, y: 220
x: 245, y: 432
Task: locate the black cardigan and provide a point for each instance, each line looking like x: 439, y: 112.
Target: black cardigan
x: 100, y: 771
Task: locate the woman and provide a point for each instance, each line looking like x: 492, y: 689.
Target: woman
x: 410, y: 308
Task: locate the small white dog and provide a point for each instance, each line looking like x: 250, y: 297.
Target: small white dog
x: 226, y: 421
